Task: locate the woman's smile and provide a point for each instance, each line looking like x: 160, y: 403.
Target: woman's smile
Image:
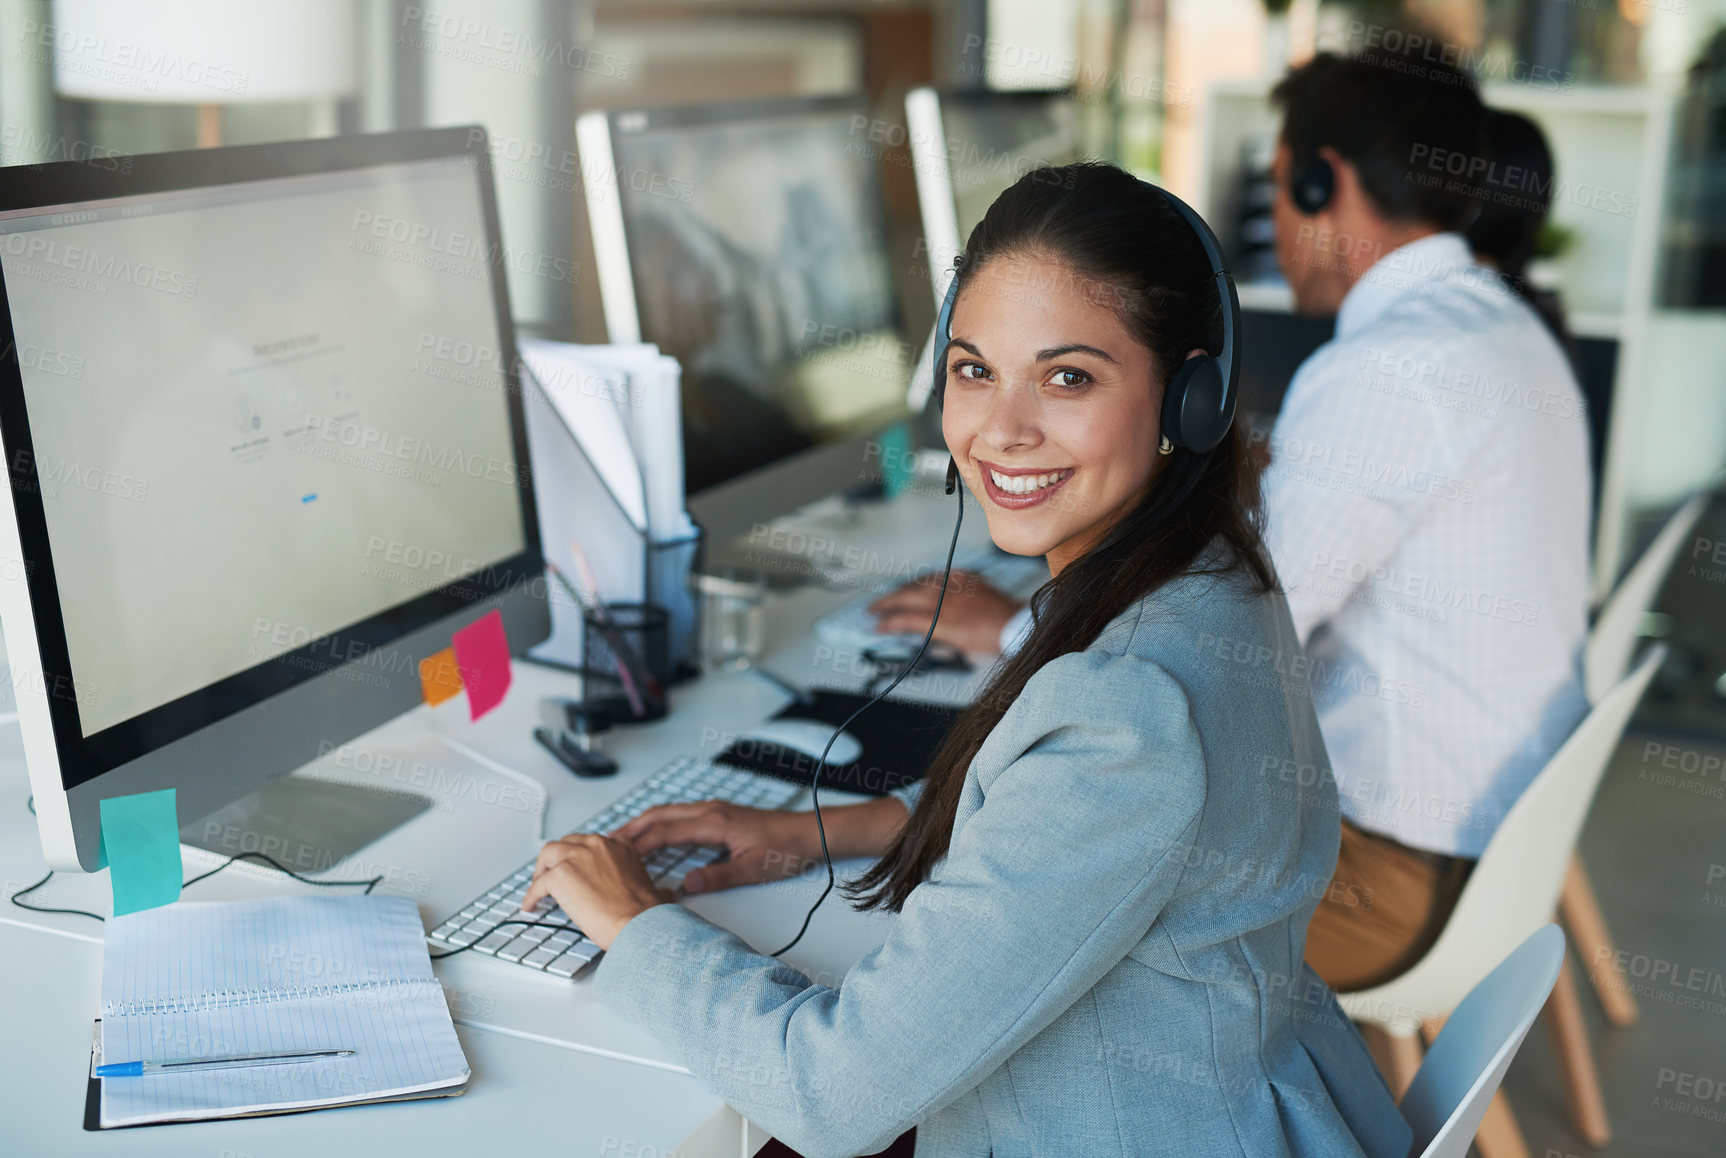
x: 1018, y: 487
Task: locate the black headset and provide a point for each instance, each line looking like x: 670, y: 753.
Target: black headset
x: 1312, y: 184
x: 1199, y: 401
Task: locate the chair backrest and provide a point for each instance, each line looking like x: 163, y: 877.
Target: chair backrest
x: 1462, y: 1070
x: 1514, y: 887
x: 1612, y: 640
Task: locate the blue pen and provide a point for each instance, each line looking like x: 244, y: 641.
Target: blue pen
x: 138, y: 1069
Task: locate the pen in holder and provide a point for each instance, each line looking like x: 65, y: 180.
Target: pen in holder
x: 625, y: 650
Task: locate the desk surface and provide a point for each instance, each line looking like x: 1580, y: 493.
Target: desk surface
x: 551, y: 1065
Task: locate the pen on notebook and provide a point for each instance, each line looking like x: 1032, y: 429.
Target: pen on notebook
x: 140, y: 1068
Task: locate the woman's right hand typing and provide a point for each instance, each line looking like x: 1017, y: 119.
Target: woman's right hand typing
x: 762, y: 844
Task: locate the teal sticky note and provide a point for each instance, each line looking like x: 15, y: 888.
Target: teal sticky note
x: 141, y: 843
x: 898, y: 460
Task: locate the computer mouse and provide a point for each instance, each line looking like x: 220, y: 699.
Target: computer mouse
x: 807, y: 736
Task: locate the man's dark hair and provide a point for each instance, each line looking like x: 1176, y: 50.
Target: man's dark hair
x: 1412, y: 127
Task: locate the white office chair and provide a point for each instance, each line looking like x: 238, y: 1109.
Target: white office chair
x: 1513, y: 891
x: 1449, y: 1095
x: 1605, y: 659
x: 1612, y: 640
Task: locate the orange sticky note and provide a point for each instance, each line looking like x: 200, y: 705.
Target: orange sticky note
x: 440, y: 678
x: 482, y: 650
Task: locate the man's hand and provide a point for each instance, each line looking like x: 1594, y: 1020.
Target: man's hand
x: 972, y: 616
x: 598, y: 881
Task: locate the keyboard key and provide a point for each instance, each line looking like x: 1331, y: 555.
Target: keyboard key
x: 566, y: 966
x: 515, y: 950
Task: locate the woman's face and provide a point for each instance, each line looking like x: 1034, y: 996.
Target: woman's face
x: 1052, y: 407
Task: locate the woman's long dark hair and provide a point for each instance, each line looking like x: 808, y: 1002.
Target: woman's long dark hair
x: 1507, y: 230
x: 1116, y: 241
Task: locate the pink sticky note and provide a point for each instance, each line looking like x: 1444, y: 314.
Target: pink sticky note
x: 482, y: 655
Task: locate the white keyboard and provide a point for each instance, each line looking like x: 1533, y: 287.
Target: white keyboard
x: 563, y: 952
x: 851, y: 625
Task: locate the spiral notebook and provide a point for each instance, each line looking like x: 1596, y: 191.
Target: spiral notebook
x: 216, y: 979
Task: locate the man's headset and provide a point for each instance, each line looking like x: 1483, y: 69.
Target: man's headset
x: 1199, y: 400
x: 1312, y: 184
x: 1198, y: 408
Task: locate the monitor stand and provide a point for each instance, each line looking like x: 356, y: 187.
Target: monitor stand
x: 304, y: 824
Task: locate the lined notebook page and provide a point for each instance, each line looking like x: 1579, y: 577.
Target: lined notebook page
x: 192, y: 949
x: 296, y: 973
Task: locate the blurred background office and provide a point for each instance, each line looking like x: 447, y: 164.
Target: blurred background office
x: 1630, y: 95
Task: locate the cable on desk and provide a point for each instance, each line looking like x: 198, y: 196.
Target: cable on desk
x: 46, y: 909
x: 371, y: 884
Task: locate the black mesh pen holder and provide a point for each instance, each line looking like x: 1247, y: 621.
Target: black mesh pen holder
x: 628, y: 649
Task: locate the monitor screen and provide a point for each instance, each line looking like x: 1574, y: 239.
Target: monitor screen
x: 757, y: 247
x: 260, y: 413
x: 993, y: 139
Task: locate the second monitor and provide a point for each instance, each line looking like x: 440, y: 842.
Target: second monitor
x: 749, y: 241
x: 969, y: 146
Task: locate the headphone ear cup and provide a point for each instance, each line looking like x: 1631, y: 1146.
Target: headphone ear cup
x: 943, y: 335
x: 1312, y: 185
x: 1194, y: 405
x: 1174, y: 402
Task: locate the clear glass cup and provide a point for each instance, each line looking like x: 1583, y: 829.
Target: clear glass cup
x: 733, y: 620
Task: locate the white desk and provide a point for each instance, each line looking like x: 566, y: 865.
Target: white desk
x: 552, y: 1068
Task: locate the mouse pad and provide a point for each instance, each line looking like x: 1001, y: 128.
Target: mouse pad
x: 899, y: 737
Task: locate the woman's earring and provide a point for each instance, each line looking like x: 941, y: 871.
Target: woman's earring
x: 1165, y: 447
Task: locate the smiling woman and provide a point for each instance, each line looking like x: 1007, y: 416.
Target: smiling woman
x: 1076, y: 300
x: 1098, y: 947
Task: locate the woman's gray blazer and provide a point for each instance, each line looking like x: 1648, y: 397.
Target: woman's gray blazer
x: 1108, y: 960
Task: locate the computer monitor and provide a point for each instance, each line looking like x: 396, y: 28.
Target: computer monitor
x: 749, y: 241
x: 265, y: 442
x: 969, y: 146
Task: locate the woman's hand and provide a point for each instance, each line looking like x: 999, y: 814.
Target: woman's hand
x: 972, y: 616
x: 598, y: 881
x: 763, y: 845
